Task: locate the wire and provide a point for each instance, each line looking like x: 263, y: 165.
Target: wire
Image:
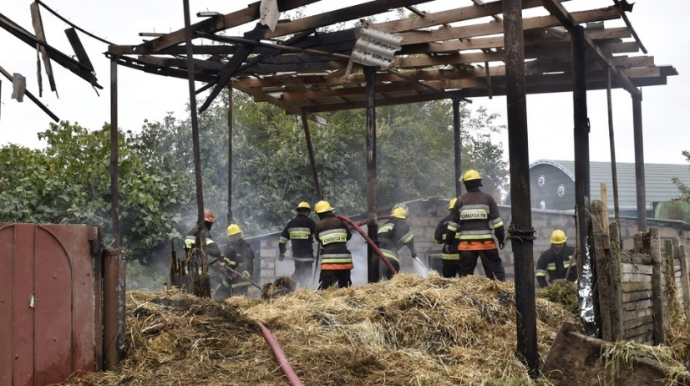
x: 72, y: 24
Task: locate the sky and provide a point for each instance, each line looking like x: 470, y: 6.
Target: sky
x: 147, y: 96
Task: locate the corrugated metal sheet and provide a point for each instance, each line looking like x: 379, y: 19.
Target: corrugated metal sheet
x: 658, y: 180
x: 46, y: 303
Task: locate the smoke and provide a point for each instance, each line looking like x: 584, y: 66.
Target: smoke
x: 358, y: 248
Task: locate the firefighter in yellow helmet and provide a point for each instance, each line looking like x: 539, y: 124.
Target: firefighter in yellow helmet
x: 555, y: 261
x: 210, y: 247
x: 336, y: 260
x: 450, y: 261
x: 475, y: 215
x: 239, y: 256
x: 300, y: 232
x: 392, y: 236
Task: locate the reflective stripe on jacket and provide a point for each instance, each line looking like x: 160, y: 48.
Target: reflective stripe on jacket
x: 300, y: 231
x: 333, y: 234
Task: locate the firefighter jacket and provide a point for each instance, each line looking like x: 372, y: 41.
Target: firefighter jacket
x: 333, y: 234
x: 556, y: 265
x: 394, y: 235
x: 301, y: 231
x: 210, y: 247
x: 240, y: 257
x: 440, y: 237
x: 476, y: 217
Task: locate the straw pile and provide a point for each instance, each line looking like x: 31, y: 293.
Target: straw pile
x: 407, y: 331
x: 562, y: 292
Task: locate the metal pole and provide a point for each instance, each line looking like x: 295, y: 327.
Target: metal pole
x: 457, y: 137
x: 521, y: 231
x: 192, y: 107
x: 310, y: 149
x: 614, y: 166
x: 114, y: 148
x: 639, y: 164
x: 229, y: 153
x: 372, y: 226
x: 110, y: 311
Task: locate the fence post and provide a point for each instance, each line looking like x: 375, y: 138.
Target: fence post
x: 679, y: 247
x: 657, y: 287
x: 617, y: 328
x: 602, y: 267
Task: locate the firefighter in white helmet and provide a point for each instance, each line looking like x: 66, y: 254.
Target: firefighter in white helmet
x: 555, y: 261
x: 300, y: 232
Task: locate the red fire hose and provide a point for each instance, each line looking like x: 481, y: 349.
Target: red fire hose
x: 290, y: 374
x: 371, y: 243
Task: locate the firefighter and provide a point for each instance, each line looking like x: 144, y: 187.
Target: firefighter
x: 556, y: 260
x: 210, y: 247
x: 475, y: 215
x: 336, y: 260
x: 239, y: 256
x: 450, y: 262
x: 301, y: 231
x: 392, y: 236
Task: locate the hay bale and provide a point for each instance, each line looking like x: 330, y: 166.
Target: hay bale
x: 562, y: 292
x: 408, y: 330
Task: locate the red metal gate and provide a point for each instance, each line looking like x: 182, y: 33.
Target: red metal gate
x: 46, y: 303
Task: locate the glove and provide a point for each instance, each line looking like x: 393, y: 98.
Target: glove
x: 414, y: 255
x: 245, y: 275
x: 281, y: 257
x: 223, y: 264
x: 501, y: 244
x: 446, y: 248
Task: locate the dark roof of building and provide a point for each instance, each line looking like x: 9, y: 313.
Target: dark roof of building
x: 658, y: 180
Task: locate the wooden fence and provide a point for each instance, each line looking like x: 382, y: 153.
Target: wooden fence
x: 637, y: 290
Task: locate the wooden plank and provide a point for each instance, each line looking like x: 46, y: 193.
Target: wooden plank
x: 636, y: 278
x: 261, y: 97
x: 637, y: 314
x: 657, y: 288
x: 634, y: 287
x: 78, y: 48
x: 645, y: 330
x: 601, y: 260
x: 638, y: 305
x: 340, y: 15
x: 637, y: 268
x: 40, y: 35
x: 685, y: 276
x: 496, y: 28
x: 632, y: 323
x: 637, y: 295
x: 604, y: 199
x: 31, y: 96
x: 642, y: 337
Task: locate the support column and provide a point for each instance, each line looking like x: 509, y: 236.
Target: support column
x: 372, y: 226
x: 612, y: 142
x: 639, y: 163
x: 582, y: 185
x: 520, y: 232
x: 312, y: 162
x: 457, y: 147
x: 229, y: 215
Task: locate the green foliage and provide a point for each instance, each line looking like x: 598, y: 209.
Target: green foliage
x: 684, y: 189
x: 69, y: 183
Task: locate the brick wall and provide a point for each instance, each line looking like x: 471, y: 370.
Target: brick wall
x: 425, y: 214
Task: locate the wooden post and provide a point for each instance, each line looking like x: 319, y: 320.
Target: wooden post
x: 605, y: 215
x: 657, y: 287
x: 684, y: 279
x: 617, y: 326
x: 602, y: 267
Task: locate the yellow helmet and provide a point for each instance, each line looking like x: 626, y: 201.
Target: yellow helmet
x: 234, y: 229
x: 303, y: 205
x: 399, y: 212
x: 471, y: 175
x: 323, y: 206
x: 558, y: 237
x: 451, y: 204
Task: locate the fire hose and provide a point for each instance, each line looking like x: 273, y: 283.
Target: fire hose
x: 371, y: 243
x: 290, y: 374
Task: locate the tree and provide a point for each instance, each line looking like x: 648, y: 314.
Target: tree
x: 684, y: 189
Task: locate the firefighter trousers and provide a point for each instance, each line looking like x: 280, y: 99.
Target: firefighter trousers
x: 328, y: 278
x: 491, y: 261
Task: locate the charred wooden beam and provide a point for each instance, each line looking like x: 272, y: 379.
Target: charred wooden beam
x: 32, y: 97
x: 340, y: 15
x: 78, y: 48
x: 40, y: 35
x: 262, y: 97
x: 211, y: 25
x: 62, y: 59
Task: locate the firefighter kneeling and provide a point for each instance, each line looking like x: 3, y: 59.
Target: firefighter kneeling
x: 238, y: 256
